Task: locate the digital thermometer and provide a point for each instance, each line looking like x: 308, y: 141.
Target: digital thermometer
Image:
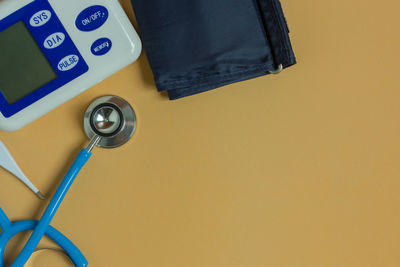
x: 53, y: 50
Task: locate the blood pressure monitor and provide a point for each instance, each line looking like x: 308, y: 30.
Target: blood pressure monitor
x: 53, y: 50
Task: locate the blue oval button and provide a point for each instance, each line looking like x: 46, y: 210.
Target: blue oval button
x: 91, y: 18
x: 101, y: 46
x: 68, y: 62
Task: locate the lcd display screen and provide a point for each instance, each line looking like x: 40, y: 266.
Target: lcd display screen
x: 23, y: 66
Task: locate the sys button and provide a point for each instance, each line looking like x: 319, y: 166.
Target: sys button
x: 91, y: 18
x: 68, y: 62
x: 40, y: 18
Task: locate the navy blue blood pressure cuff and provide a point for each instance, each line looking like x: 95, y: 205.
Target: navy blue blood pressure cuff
x: 198, y: 45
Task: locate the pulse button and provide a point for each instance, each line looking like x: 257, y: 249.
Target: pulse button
x: 68, y: 62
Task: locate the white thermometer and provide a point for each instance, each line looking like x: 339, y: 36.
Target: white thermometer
x: 8, y: 163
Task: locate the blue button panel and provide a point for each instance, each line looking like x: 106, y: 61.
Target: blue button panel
x: 56, y: 45
x: 91, y: 18
x: 101, y: 46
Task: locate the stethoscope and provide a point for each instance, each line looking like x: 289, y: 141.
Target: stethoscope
x: 109, y: 122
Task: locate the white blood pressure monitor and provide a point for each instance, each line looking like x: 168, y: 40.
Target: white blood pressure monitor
x: 53, y: 50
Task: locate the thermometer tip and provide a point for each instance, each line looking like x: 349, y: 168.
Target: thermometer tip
x: 40, y: 195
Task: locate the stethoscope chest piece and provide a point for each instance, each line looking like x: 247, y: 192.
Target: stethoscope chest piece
x: 111, y: 118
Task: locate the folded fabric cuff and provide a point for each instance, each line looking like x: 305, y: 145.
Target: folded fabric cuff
x: 198, y: 45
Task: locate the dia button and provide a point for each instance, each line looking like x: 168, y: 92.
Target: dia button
x: 54, y: 40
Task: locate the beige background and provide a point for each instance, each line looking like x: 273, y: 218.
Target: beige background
x: 299, y: 169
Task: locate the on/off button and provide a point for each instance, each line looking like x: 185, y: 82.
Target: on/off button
x: 91, y: 18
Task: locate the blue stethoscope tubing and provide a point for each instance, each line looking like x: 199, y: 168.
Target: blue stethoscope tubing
x: 42, y: 227
x: 9, y: 230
